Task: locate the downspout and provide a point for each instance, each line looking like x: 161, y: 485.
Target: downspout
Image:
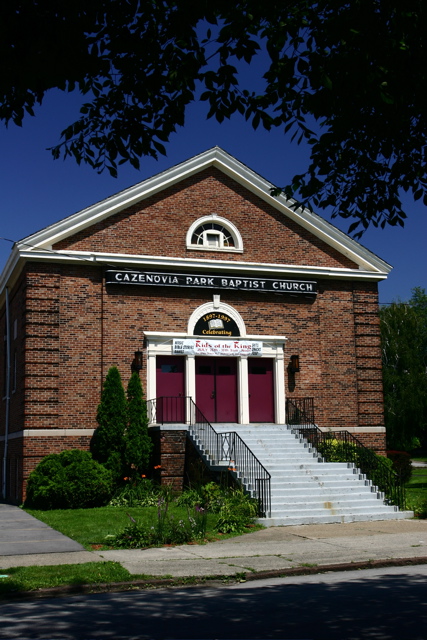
x: 6, y: 429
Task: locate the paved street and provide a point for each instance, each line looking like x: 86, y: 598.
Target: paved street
x: 386, y: 604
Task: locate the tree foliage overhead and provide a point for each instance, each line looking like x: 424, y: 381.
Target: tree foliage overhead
x: 349, y: 78
x: 404, y: 348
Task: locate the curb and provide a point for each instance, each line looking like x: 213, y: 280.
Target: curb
x: 212, y: 581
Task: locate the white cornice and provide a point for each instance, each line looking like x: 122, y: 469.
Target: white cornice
x: 130, y: 262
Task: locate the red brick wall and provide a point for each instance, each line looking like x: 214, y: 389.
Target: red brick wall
x: 169, y: 457
x: 158, y: 226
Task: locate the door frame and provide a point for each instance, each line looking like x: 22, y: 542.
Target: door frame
x: 161, y: 343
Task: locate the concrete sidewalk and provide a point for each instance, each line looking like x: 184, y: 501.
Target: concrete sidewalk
x: 275, y: 548
x: 21, y: 534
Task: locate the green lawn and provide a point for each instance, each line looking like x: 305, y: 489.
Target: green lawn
x: 18, y: 579
x: 91, y: 526
x: 416, y: 491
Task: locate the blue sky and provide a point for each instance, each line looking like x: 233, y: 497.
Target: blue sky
x: 37, y: 191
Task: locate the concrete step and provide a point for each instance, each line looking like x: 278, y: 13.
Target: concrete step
x: 338, y: 504
x: 309, y: 486
x: 315, y: 474
x: 304, y: 489
x: 311, y: 465
x: 331, y: 519
x: 338, y: 498
x: 349, y: 498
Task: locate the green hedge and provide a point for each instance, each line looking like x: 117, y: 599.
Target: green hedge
x: 370, y: 463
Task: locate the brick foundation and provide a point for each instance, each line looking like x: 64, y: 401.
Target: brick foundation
x: 169, y: 453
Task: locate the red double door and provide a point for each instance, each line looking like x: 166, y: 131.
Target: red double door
x: 216, y: 388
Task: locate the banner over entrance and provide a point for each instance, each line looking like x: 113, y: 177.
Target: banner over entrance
x: 199, y: 347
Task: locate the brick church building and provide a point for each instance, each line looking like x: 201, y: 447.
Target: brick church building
x: 215, y: 289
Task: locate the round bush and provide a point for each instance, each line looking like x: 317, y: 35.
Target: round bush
x: 69, y: 480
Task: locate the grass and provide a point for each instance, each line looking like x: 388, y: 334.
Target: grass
x: 90, y: 527
x: 416, y: 491
x: 33, y: 578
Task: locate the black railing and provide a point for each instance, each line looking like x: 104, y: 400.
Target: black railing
x: 249, y: 470
x: 216, y: 447
x: 168, y: 409
x: 342, y: 446
x: 300, y: 411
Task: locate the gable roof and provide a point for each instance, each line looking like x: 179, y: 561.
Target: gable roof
x: 38, y: 246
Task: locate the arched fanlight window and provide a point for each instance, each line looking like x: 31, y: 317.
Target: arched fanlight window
x: 215, y: 234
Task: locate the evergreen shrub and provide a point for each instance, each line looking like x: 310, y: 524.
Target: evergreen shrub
x: 137, y: 445
x: 69, y: 480
x: 107, y: 443
x: 121, y: 442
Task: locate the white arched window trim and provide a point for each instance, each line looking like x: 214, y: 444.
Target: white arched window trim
x: 210, y: 307
x: 229, y: 226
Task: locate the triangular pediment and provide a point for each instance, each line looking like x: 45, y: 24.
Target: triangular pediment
x: 42, y: 243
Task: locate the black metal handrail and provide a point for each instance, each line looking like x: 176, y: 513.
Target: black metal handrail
x: 217, y: 447
x: 300, y: 411
x: 249, y: 470
x: 342, y: 446
x: 167, y: 410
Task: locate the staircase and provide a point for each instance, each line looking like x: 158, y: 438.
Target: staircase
x: 305, y: 490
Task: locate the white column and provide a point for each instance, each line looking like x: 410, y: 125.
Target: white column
x: 279, y: 385
x: 190, y: 381
x: 243, y: 390
x: 190, y: 377
x: 151, y: 376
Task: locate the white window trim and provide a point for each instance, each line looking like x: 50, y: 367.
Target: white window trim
x: 231, y: 228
